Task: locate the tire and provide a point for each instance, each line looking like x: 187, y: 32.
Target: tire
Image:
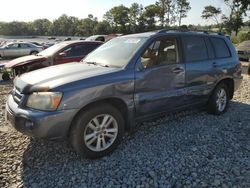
x: 5, y: 76
x: 85, y: 132
x: 33, y: 52
x: 214, y: 100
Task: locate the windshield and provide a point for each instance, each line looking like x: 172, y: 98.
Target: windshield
x: 52, y: 50
x: 117, y: 52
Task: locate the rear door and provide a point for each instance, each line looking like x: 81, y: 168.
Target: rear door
x: 75, y: 53
x: 160, y: 80
x: 25, y: 49
x: 199, y: 57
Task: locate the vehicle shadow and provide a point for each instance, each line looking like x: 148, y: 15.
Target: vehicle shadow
x: 179, y: 135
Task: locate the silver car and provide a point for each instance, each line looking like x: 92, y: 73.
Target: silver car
x: 18, y: 49
x: 243, y: 50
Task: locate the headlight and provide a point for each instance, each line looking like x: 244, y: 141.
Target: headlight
x: 46, y: 101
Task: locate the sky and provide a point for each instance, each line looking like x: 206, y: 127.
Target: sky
x: 29, y: 10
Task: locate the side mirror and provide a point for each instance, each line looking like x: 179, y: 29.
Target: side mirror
x: 62, y: 54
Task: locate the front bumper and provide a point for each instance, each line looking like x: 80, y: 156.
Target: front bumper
x: 51, y: 125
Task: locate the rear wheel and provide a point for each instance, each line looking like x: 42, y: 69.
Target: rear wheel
x: 97, y: 131
x: 33, y: 53
x: 219, y: 99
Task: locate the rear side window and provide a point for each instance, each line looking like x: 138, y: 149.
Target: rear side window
x: 25, y: 46
x: 220, y: 47
x: 194, y: 48
x: 210, y: 49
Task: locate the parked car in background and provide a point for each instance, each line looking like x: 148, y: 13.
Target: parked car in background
x: 18, y: 49
x: 243, y: 50
x: 64, y: 52
x: 128, y: 79
x: 103, y: 38
x: 96, y: 38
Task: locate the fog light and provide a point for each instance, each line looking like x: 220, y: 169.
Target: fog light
x: 29, y: 125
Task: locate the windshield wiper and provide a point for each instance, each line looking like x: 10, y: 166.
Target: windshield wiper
x: 92, y: 63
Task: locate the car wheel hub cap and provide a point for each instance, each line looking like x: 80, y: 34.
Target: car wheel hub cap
x: 101, y: 132
x: 221, y: 100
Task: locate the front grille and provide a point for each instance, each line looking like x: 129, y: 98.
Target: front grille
x: 241, y: 52
x: 17, y: 96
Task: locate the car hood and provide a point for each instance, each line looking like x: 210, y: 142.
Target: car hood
x: 25, y: 60
x: 54, y: 76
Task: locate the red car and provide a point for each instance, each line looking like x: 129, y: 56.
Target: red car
x: 64, y: 52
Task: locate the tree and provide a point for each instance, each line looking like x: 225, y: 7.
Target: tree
x: 42, y: 27
x: 237, y: 9
x: 234, y: 23
x: 135, y: 12
x: 165, y: 12
x: 118, y: 17
x: 86, y: 26
x: 149, y: 15
x: 65, y: 25
x: 211, y: 12
x: 102, y: 28
x: 183, y: 6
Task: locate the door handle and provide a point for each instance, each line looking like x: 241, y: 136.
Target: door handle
x: 177, y: 70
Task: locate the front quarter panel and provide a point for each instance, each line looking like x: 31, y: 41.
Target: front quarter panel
x: 119, y: 85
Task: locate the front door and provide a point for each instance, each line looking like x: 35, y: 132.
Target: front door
x: 12, y: 50
x: 160, y: 80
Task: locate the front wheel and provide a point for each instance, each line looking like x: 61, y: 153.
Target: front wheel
x: 219, y: 99
x: 6, y: 76
x: 97, y: 131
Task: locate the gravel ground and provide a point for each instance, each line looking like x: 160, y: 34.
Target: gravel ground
x: 186, y: 149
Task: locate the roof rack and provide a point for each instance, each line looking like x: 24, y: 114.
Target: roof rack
x: 188, y: 30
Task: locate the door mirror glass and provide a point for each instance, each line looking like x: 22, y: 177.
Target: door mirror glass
x: 62, y: 54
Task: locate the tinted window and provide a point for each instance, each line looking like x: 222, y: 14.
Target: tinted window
x: 90, y: 47
x: 194, y: 48
x: 210, y: 49
x: 15, y: 45
x: 100, y: 39
x: 221, y: 49
x: 160, y: 52
x: 25, y: 46
x: 80, y: 50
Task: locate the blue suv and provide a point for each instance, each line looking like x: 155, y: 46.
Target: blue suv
x: 130, y: 78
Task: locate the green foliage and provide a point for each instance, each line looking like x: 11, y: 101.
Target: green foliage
x: 118, y: 18
x: 183, y: 6
x: 244, y: 36
x: 211, y: 12
x: 238, y: 8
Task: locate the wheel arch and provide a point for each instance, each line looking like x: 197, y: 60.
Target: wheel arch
x: 230, y: 84
x: 118, y: 103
